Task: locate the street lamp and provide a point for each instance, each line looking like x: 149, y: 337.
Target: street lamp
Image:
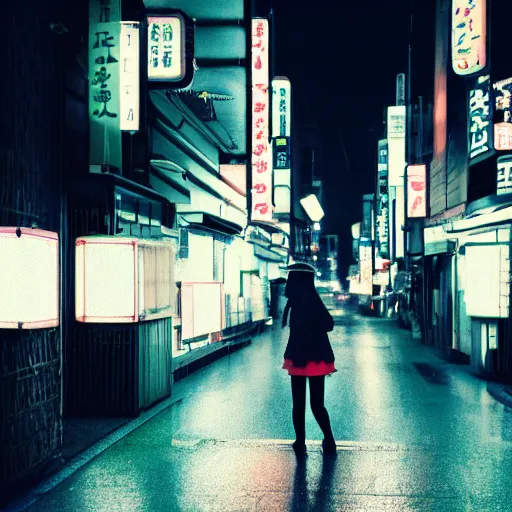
x: 313, y: 207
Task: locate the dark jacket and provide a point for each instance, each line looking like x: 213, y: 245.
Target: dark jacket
x: 309, y: 324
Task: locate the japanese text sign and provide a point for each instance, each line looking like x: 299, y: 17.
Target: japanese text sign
x: 468, y: 36
x: 480, y: 117
x: 281, y: 107
x: 130, y: 76
x: 261, y: 157
x: 104, y: 87
x: 166, y: 48
x: 504, y: 177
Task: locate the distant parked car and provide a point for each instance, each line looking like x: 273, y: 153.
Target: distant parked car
x: 329, y: 292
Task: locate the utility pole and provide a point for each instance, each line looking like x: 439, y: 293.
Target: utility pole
x: 408, y: 142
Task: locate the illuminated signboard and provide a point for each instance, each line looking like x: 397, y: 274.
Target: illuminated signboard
x: 416, y: 191
x: 281, y: 153
x: 396, y: 146
x: 382, y: 167
x: 261, y: 150
x: 468, y: 36
x: 503, y: 136
x: 166, y: 48
x: 502, y: 94
x: 504, y: 176
x: 486, y: 292
x: 365, y: 267
x: 29, y: 280
x: 503, y: 115
x: 382, y: 197
x: 129, y: 76
x: 480, y: 117
x: 281, y: 107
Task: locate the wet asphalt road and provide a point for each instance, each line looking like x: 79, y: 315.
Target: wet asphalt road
x: 413, y: 433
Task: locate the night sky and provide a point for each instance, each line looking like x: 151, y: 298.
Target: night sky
x: 342, y: 63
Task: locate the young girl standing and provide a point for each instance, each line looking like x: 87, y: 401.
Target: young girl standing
x: 308, y: 354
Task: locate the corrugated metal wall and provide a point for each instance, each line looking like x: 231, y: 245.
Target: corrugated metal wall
x: 155, y: 367
x: 103, y: 364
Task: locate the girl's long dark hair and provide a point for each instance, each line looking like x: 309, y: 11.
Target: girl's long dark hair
x: 300, y: 291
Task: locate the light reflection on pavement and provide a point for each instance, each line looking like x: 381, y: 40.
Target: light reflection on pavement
x: 414, y: 433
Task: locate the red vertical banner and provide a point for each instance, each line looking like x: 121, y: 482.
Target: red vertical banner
x: 260, y: 150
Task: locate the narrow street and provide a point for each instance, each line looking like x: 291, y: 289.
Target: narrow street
x: 413, y: 433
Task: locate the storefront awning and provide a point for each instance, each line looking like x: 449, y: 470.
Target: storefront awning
x: 169, y: 181
x: 440, y: 247
x: 211, y: 222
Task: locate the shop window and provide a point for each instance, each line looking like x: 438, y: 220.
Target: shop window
x: 143, y: 213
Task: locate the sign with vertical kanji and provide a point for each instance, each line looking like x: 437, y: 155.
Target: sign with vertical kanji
x: 130, y: 76
x: 365, y: 266
x: 281, y: 107
x: 468, y: 36
x: 104, y: 108
x: 166, y: 48
x: 480, y: 117
x: 261, y: 156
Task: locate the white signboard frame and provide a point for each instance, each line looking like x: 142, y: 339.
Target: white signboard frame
x: 487, y: 287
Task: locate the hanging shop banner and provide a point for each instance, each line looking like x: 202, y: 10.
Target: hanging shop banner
x: 503, y: 136
x: 400, y: 89
x: 504, y: 176
x: 281, y: 107
x: 382, y: 197
x: 281, y: 152
x: 502, y: 115
x: 480, y: 118
x: 468, y: 36
x: 130, y: 76
x: 261, y: 157
x: 396, y: 146
x: 365, y: 266
x: 382, y: 167
x: 104, y: 90
x: 416, y: 191
x: 383, y: 231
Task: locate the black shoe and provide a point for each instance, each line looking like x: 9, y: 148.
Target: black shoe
x: 299, y: 449
x: 329, y: 447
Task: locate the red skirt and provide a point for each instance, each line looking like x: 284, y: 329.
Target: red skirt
x: 312, y: 368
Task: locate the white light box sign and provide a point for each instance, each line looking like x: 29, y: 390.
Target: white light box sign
x: 129, y: 76
x: 106, y: 274
x: 166, y: 48
x: 123, y: 280
x: 29, y: 278
x: 203, y: 297
x: 487, y: 281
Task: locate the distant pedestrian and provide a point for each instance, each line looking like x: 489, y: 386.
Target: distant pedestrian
x: 308, y: 354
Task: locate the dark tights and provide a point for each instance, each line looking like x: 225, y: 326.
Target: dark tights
x: 316, y: 395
